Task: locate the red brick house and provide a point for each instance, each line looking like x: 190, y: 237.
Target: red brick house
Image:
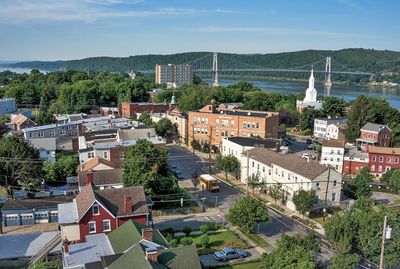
x: 101, y: 211
x: 354, y: 162
x: 129, y: 109
x: 383, y: 159
x: 374, y: 135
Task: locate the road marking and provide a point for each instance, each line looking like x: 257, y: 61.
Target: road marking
x: 213, y: 219
x: 207, y: 218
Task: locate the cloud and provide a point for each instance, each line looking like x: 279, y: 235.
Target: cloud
x: 278, y: 31
x: 21, y: 11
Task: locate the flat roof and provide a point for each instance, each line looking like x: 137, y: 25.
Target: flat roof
x: 48, y: 126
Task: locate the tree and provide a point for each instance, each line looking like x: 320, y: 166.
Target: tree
x: 205, y: 240
x: 227, y: 164
x: 392, y: 178
x: 361, y: 184
x: 304, y: 200
x: 292, y: 252
x: 163, y: 127
x: 307, y: 118
x: 49, y: 171
x: 333, y: 106
x: 145, y: 165
x: 253, y: 181
x: 247, y: 212
x: 47, y: 265
x: 187, y: 230
x: 360, y: 113
x: 345, y: 261
x: 66, y: 166
x: 196, y: 145
x: 3, y: 129
x: 19, y: 163
x: 5, y: 119
x: 275, y: 191
x: 204, y: 228
x: 145, y: 118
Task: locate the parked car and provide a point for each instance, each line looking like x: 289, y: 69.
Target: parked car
x: 308, y: 141
x: 308, y: 156
x: 229, y: 254
x: 311, y: 147
x: 179, y: 175
x: 286, y: 143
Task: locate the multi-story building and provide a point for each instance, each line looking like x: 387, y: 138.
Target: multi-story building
x: 293, y: 173
x: 7, y: 105
x: 211, y: 126
x: 52, y: 130
x: 335, y: 131
x: 21, y: 122
x: 101, y: 211
x: 321, y: 126
x: 332, y: 154
x: 382, y: 159
x: 237, y: 145
x: 101, y: 179
x: 372, y: 134
x: 129, y: 109
x: 354, y: 162
x: 174, y: 75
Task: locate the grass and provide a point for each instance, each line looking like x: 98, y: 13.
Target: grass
x: 397, y: 202
x: 277, y: 207
x: 255, y: 238
x: 247, y: 265
x: 218, y: 241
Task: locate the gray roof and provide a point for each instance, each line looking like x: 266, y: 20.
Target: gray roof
x: 290, y: 162
x: 253, y: 142
x: 48, y: 126
x: 96, y: 245
x: 133, y: 134
x: 13, y: 204
x: 24, y: 245
x: 372, y: 127
x: 68, y: 211
x: 102, y: 177
x: 48, y: 143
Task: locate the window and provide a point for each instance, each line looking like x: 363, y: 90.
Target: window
x: 41, y: 134
x: 380, y: 159
x: 396, y: 160
x: 317, y: 185
x: 257, y: 125
x: 388, y: 159
x: 374, y: 158
x: 253, y: 125
x: 244, y: 124
x: 263, y: 168
x: 106, y: 225
x: 253, y: 163
x: 380, y: 168
x: 269, y: 171
x: 52, y: 133
x: 95, y: 209
x: 372, y: 168
x: 92, y: 226
x: 62, y: 132
x: 90, y: 155
x: 334, y: 183
x: 333, y: 196
x: 105, y: 154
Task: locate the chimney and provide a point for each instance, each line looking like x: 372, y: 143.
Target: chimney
x: 127, y: 204
x: 89, y: 177
x: 147, y: 233
x: 66, y: 247
x: 152, y: 254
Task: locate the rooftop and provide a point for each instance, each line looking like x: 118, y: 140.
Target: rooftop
x: 372, y: 127
x: 33, y: 203
x: 290, y: 162
x: 333, y: 143
x: 253, y: 142
x: 383, y: 150
x: 101, y: 177
x: 48, y: 126
x: 96, y: 245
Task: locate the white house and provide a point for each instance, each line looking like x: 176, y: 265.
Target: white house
x: 332, y: 154
x: 335, y: 131
x: 321, y: 125
x: 236, y: 145
x: 293, y: 173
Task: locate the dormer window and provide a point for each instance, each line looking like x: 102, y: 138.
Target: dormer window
x: 95, y: 209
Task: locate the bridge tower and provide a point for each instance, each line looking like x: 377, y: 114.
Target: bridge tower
x: 328, y: 81
x: 215, y: 70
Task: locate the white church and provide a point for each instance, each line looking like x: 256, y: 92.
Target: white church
x: 311, y: 96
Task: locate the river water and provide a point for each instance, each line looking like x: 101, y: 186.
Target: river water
x: 346, y: 92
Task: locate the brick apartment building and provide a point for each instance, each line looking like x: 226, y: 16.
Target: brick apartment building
x: 210, y: 123
x: 128, y: 109
x: 354, y: 162
x: 382, y: 159
x: 372, y: 134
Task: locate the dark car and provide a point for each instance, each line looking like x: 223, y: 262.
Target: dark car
x: 311, y: 147
x: 308, y: 141
x: 229, y: 254
x: 179, y: 175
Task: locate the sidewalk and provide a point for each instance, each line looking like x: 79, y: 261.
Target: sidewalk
x: 209, y: 212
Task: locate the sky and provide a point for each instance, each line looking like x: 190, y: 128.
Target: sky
x: 75, y: 29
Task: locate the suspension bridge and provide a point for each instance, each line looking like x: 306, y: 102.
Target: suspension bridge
x: 217, y: 63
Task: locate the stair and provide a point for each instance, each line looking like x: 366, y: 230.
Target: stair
x: 46, y: 249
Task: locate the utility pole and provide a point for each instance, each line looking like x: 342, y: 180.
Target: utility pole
x: 193, y: 137
x: 209, y: 151
x: 381, y: 266
x: 326, y: 191
x: 247, y: 174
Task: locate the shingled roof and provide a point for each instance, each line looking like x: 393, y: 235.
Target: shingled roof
x: 90, y: 164
x: 290, y: 162
x: 372, y: 127
x: 101, y: 177
x: 112, y: 200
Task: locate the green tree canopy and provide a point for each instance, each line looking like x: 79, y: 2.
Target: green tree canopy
x: 145, y: 165
x: 275, y: 191
x: 19, y: 163
x: 304, y: 200
x: 346, y: 261
x: 247, y: 212
x: 146, y: 118
x: 333, y: 106
x: 163, y: 127
x: 227, y: 164
x: 392, y: 178
x: 307, y: 118
x: 361, y: 184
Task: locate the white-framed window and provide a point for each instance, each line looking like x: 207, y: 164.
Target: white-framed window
x: 92, y: 227
x: 244, y: 124
x: 372, y: 168
x: 396, y: 160
x: 41, y: 134
x: 105, y: 154
x: 62, y: 132
x: 388, y: 159
x: 90, y: 155
x: 317, y: 185
x: 52, y: 133
x: 96, y: 209
x: 257, y: 125
x: 106, y: 225
x: 374, y: 158
x: 380, y: 159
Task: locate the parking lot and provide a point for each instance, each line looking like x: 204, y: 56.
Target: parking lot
x: 298, y: 147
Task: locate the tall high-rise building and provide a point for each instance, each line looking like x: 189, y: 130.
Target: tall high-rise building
x: 174, y: 75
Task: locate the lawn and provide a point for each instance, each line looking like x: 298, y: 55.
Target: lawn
x: 249, y: 265
x: 255, y: 238
x: 218, y: 241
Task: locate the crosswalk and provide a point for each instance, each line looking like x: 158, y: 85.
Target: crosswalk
x: 217, y: 218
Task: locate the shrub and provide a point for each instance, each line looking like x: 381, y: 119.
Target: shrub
x: 187, y: 230
x: 205, y: 240
x: 186, y: 241
x: 174, y: 242
x: 169, y: 232
x: 204, y: 228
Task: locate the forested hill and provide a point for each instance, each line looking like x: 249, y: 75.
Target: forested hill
x: 347, y: 59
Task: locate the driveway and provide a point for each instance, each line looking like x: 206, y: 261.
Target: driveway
x: 209, y: 260
x: 385, y: 198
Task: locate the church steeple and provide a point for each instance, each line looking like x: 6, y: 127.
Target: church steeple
x: 311, y: 79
